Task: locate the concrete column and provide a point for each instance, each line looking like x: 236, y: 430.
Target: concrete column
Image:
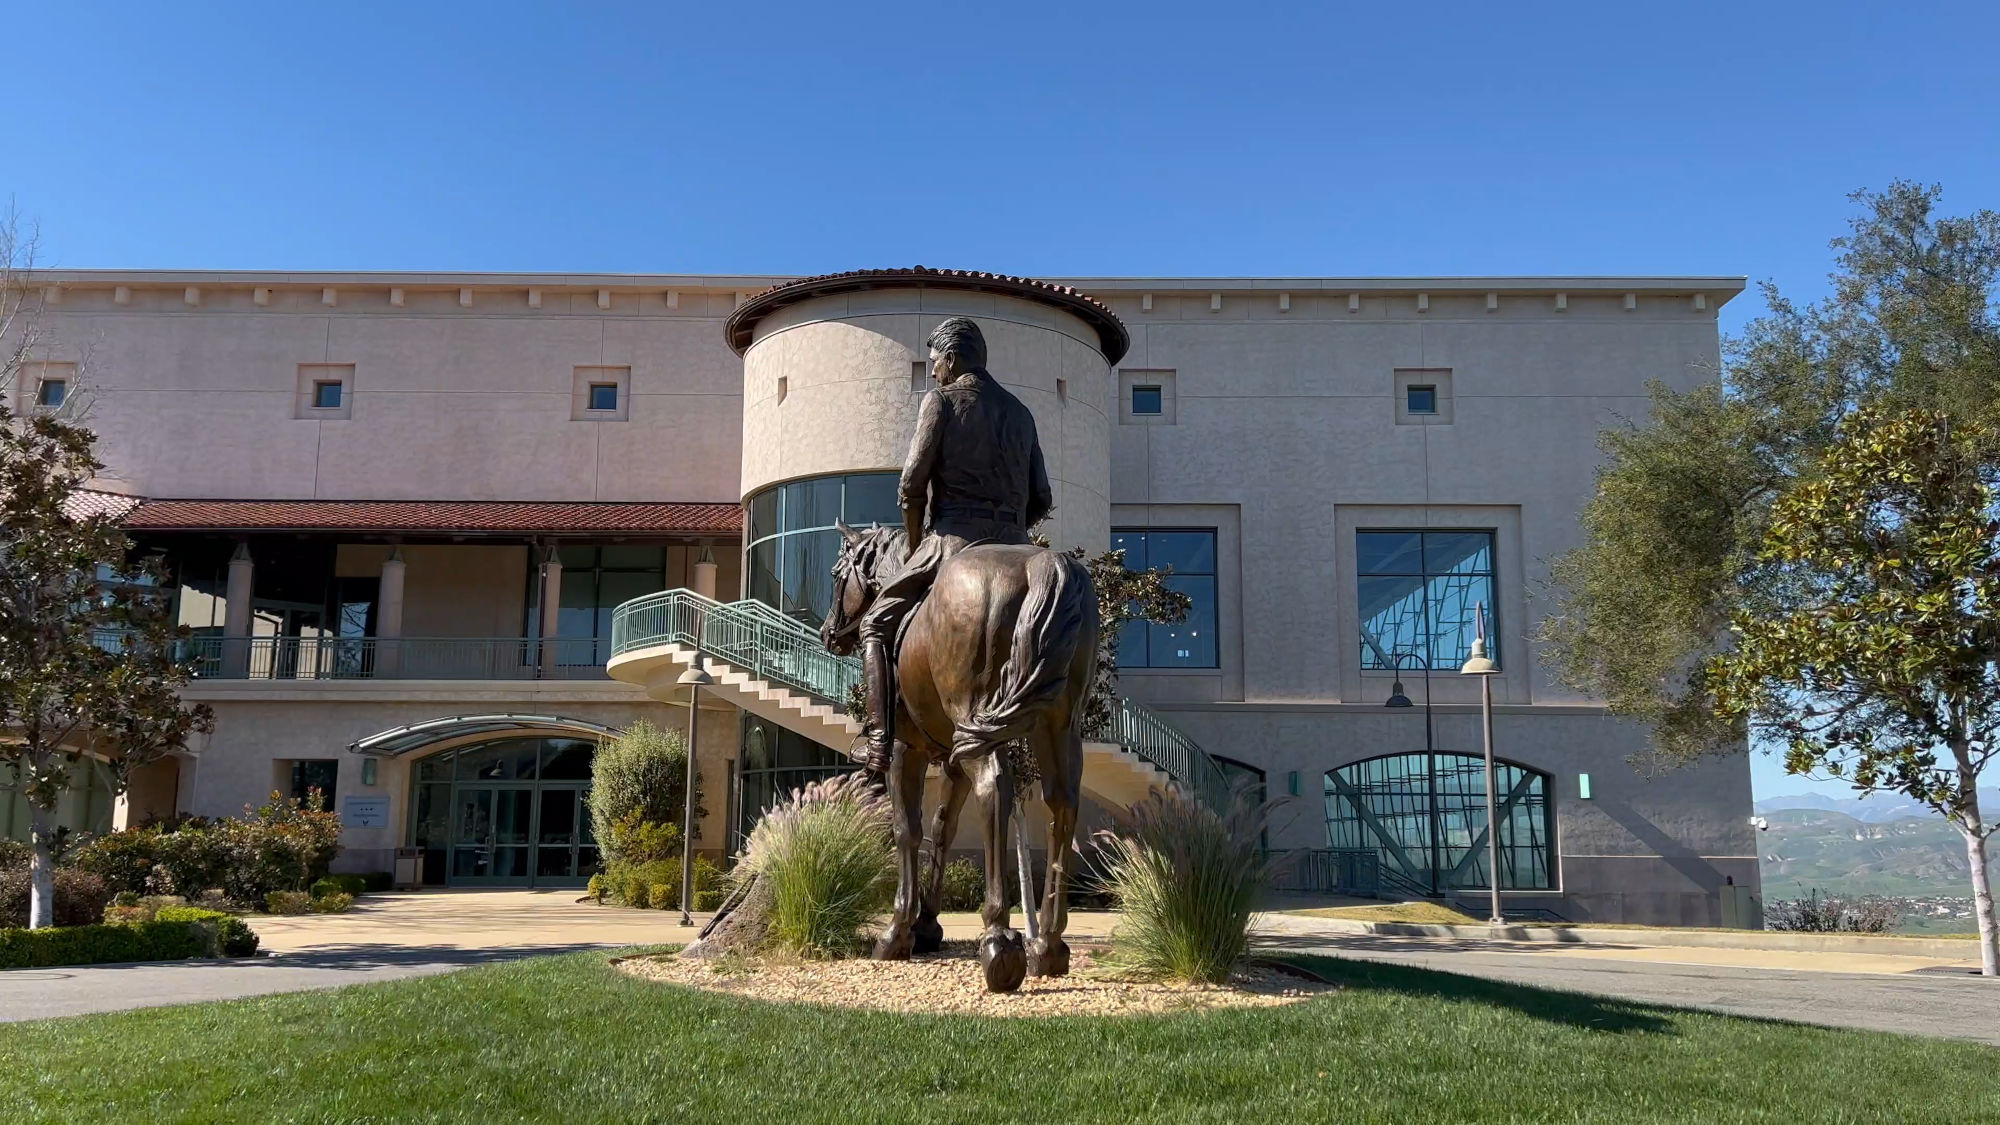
x: 551, y: 608
x: 704, y: 573
x: 389, y: 615
x: 236, y: 613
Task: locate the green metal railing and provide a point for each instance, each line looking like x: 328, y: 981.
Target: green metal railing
x: 771, y: 646
x: 748, y: 634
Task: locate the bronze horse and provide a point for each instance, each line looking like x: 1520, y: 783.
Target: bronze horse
x: 1002, y: 649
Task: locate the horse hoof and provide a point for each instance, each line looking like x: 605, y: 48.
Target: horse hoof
x: 893, y: 946
x: 1004, y: 960
x: 926, y: 935
x: 1049, y: 958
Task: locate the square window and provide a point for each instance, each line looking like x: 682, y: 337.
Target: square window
x: 326, y: 395
x: 51, y: 392
x: 1422, y: 400
x: 604, y: 396
x: 1190, y: 557
x: 1146, y: 400
x: 1420, y: 594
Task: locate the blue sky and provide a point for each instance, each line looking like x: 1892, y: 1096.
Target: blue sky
x: 1042, y: 139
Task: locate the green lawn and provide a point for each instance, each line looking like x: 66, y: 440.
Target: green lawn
x: 569, y: 1039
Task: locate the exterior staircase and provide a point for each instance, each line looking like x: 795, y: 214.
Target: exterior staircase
x: 776, y: 668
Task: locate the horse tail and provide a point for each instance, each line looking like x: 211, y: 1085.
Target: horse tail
x: 1059, y: 610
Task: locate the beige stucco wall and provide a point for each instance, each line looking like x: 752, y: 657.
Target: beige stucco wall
x: 447, y: 402
x: 827, y: 388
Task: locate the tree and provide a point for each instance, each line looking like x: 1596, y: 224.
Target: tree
x: 1677, y: 540
x: 1874, y: 649
x: 88, y: 660
x: 1123, y: 596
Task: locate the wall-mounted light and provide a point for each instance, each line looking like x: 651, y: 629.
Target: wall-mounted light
x: 368, y: 771
x: 1583, y: 786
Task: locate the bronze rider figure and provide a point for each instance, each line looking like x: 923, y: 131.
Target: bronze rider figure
x: 975, y: 467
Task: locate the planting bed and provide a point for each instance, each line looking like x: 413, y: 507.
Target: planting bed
x: 949, y: 982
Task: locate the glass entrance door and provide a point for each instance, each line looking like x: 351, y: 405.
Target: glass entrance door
x: 512, y: 812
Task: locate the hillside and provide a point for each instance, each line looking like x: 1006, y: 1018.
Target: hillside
x: 1837, y: 853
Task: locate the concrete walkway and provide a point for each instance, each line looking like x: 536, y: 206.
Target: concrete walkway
x: 1931, y: 996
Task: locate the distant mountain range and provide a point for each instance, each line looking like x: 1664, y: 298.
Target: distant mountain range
x: 1876, y: 808
x: 1813, y: 848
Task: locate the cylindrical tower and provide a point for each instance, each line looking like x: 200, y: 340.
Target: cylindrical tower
x: 833, y: 370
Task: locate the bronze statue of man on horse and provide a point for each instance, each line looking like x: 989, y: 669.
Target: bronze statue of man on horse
x: 978, y: 649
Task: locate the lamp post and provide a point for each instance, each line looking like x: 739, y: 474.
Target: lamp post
x: 1398, y: 700
x: 695, y: 677
x: 1479, y: 664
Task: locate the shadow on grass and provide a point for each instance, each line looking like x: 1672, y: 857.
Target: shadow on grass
x: 1572, y: 1009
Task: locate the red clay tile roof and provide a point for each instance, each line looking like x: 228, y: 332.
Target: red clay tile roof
x: 433, y: 516
x: 1111, y: 334
x: 87, y: 502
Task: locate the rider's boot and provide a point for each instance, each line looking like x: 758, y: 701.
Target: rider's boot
x: 880, y: 674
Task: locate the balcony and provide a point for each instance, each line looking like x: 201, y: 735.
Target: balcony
x: 397, y: 658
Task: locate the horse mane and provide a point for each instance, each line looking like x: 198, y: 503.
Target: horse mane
x: 869, y: 549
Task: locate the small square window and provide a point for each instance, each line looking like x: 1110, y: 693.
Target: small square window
x: 604, y: 396
x: 1146, y: 400
x: 1422, y: 400
x: 326, y: 395
x: 51, y: 392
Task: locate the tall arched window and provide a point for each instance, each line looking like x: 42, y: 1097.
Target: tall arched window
x: 1424, y: 815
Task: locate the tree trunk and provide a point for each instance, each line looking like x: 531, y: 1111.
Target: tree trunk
x: 1982, y: 905
x: 42, y: 899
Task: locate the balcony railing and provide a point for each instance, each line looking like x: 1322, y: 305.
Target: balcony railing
x: 397, y: 658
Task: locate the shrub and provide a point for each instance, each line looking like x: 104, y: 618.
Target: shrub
x: 80, y: 897
x: 283, y: 846
x: 637, y: 892
x: 639, y: 777
x: 116, y: 915
x: 352, y: 885
x: 124, y: 860
x: 827, y: 859
x: 157, y: 903
x: 99, y: 944
x: 337, y: 902
x: 964, y: 886
x: 1188, y: 881
x: 708, y: 880
x: 662, y: 896
x: 597, y: 888
x: 191, y: 859
x: 287, y: 902
x: 1869, y: 914
x: 222, y: 934
x: 15, y: 853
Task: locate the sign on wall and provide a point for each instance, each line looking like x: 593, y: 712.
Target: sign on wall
x: 365, y: 812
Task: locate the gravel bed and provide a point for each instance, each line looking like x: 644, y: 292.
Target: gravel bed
x: 949, y: 983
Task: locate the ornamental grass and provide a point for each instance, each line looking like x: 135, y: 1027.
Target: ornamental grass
x: 1187, y: 881
x: 826, y: 855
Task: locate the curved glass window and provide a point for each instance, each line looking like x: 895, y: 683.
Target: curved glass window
x: 792, y: 540
x: 1424, y: 815
x: 776, y: 764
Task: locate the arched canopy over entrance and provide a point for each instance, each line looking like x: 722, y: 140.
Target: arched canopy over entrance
x: 499, y: 800
x: 1424, y: 815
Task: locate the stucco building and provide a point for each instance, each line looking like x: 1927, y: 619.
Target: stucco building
x: 403, y: 512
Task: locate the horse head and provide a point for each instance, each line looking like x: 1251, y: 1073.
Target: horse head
x: 857, y: 580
